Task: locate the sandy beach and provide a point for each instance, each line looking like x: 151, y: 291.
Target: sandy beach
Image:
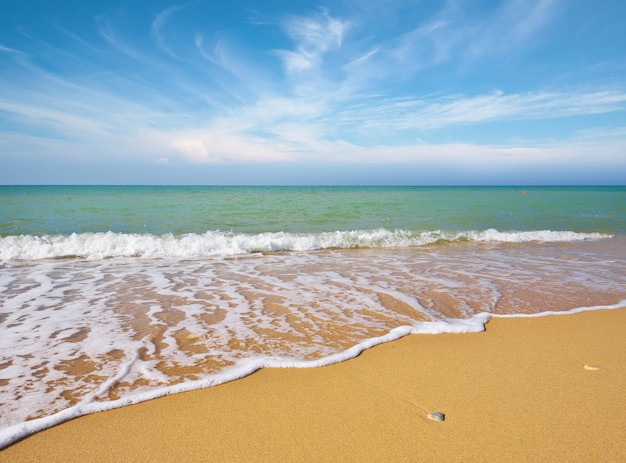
x: 528, y: 389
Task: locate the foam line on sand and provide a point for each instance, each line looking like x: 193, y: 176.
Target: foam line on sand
x: 520, y: 391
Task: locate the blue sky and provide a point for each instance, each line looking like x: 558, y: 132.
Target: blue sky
x: 301, y: 92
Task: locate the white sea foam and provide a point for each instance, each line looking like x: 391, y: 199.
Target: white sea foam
x: 111, y: 332
x: 548, y: 313
x: 16, y: 432
x: 217, y: 243
x: 13, y: 433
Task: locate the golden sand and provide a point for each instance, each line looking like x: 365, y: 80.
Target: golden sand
x: 532, y: 389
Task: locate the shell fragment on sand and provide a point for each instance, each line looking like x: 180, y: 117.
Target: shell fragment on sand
x: 437, y: 416
x: 591, y: 367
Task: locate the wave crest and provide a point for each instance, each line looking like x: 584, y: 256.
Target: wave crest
x: 218, y: 243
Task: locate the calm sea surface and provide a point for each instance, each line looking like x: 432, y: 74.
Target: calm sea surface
x: 63, y: 210
x: 111, y: 295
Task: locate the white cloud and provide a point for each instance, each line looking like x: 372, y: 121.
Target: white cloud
x: 313, y: 37
x: 333, y: 95
x: 433, y: 113
x: 194, y: 150
x: 456, y: 33
x: 208, y: 146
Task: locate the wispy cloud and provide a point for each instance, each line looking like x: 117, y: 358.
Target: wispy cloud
x: 514, y: 25
x: 433, y: 113
x: 332, y: 91
x: 313, y: 37
x: 9, y: 50
x: 456, y: 33
x: 159, y: 24
x: 107, y: 33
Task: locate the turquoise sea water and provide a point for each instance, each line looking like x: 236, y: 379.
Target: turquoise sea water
x: 113, y: 295
x: 39, y: 210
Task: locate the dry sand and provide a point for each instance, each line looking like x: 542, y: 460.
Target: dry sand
x: 518, y: 392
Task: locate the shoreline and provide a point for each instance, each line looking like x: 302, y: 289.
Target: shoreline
x: 517, y: 392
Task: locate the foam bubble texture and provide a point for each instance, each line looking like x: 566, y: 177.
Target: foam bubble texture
x: 87, y: 335
x: 217, y: 243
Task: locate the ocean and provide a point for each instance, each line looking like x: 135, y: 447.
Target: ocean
x: 113, y: 295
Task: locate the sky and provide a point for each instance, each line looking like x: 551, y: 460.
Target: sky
x: 274, y: 92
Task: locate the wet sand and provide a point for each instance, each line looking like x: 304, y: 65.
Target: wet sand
x: 518, y: 392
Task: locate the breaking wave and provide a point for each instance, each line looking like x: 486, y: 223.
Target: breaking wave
x: 219, y: 243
